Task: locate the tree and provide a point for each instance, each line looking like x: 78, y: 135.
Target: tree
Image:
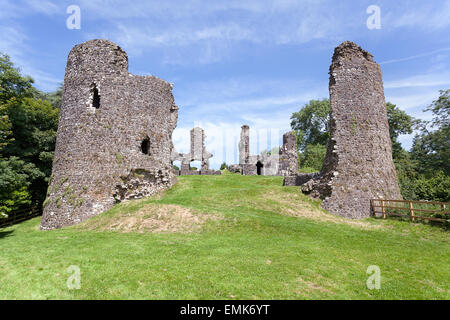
x: 399, y: 123
x: 431, y: 148
x: 33, y: 127
x: 12, y: 83
x: 313, y: 156
x: 54, y: 98
x: 311, y: 123
x: 27, y: 138
x: 14, y: 184
x: 223, y: 166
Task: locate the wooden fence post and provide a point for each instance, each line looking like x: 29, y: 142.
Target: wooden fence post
x: 383, y: 210
x: 411, y: 211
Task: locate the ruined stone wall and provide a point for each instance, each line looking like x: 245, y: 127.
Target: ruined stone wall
x: 197, y: 152
x: 197, y: 144
x: 248, y: 164
x: 358, y: 164
x: 244, y: 145
x: 114, y: 139
x: 289, y: 155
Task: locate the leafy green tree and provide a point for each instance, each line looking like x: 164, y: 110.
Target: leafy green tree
x: 399, y: 123
x: 435, y: 187
x: 223, y: 166
x: 431, y: 148
x: 54, y: 98
x: 27, y: 138
x: 311, y: 123
x: 34, y: 124
x: 313, y: 156
x: 5, y: 127
x: 12, y: 83
x: 14, y: 182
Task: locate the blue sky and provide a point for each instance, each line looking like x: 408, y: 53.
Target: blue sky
x: 240, y: 62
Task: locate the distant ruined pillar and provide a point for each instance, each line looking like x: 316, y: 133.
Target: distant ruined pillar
x: 197, y: 152
x: 244, y: 145
x: 358, y: 165
x: 288, y: 155
x: 197, y: 144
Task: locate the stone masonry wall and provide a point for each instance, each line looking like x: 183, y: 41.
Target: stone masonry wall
x: 114, y: 139
x: 288, y: 155
x: 197, y: 152
x: 358, y: 164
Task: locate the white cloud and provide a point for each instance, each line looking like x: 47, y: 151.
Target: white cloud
x: 210, y: 31
x: 417, y: 56
x: 426, y: 80
x: 410, y: 101
x: 428, y: 16
x: 14, y: 43
x: 43, y: 6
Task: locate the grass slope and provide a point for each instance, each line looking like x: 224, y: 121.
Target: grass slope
x: 263, y: 241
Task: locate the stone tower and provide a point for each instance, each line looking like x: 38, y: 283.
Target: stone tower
x: 358, y: 165
x: 114, y: 138
x: 288, y: 155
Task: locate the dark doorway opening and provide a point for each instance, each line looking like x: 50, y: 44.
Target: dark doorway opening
x: 259, y: 167
x: 145, y: 146
x: 95, y: 97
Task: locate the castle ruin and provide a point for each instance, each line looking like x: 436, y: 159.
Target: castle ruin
x: 283, y: 163
x: 358, y: 165
x: 197, y: 152
x: 114, y: 139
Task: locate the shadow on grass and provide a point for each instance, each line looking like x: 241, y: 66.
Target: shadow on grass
x: 4, y: 234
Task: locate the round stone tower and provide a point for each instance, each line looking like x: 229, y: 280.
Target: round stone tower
x: 358, y: 165
x: 114, y: 138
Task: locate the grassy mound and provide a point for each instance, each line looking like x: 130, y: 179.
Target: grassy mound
x: 225, y: 237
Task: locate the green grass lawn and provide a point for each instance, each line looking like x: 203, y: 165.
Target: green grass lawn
x: 225, y: 237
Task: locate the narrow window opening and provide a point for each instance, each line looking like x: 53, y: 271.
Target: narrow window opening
x: 95, y: 98
x: 145, y: 146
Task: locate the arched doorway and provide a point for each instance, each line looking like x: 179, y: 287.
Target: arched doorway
x: 259, y: 167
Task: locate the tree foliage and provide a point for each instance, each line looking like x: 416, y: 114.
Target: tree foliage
x: 311, y: 123
x: 28, y: 124
x: 223, y: 166
x: 431, y: 148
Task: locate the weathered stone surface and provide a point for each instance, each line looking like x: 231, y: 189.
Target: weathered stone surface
x: 266, y: 165
x: 197, y: 152
x: 244, y: 145
x: 235, y: 168
x: 288, y: 155
x: 358, y: 164
x: 299, y: 179
x: 210, y: 172
x: 114, y: 138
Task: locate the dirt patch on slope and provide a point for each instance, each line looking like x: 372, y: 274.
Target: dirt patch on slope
x: 293, y: 204
x: 154, y: 218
